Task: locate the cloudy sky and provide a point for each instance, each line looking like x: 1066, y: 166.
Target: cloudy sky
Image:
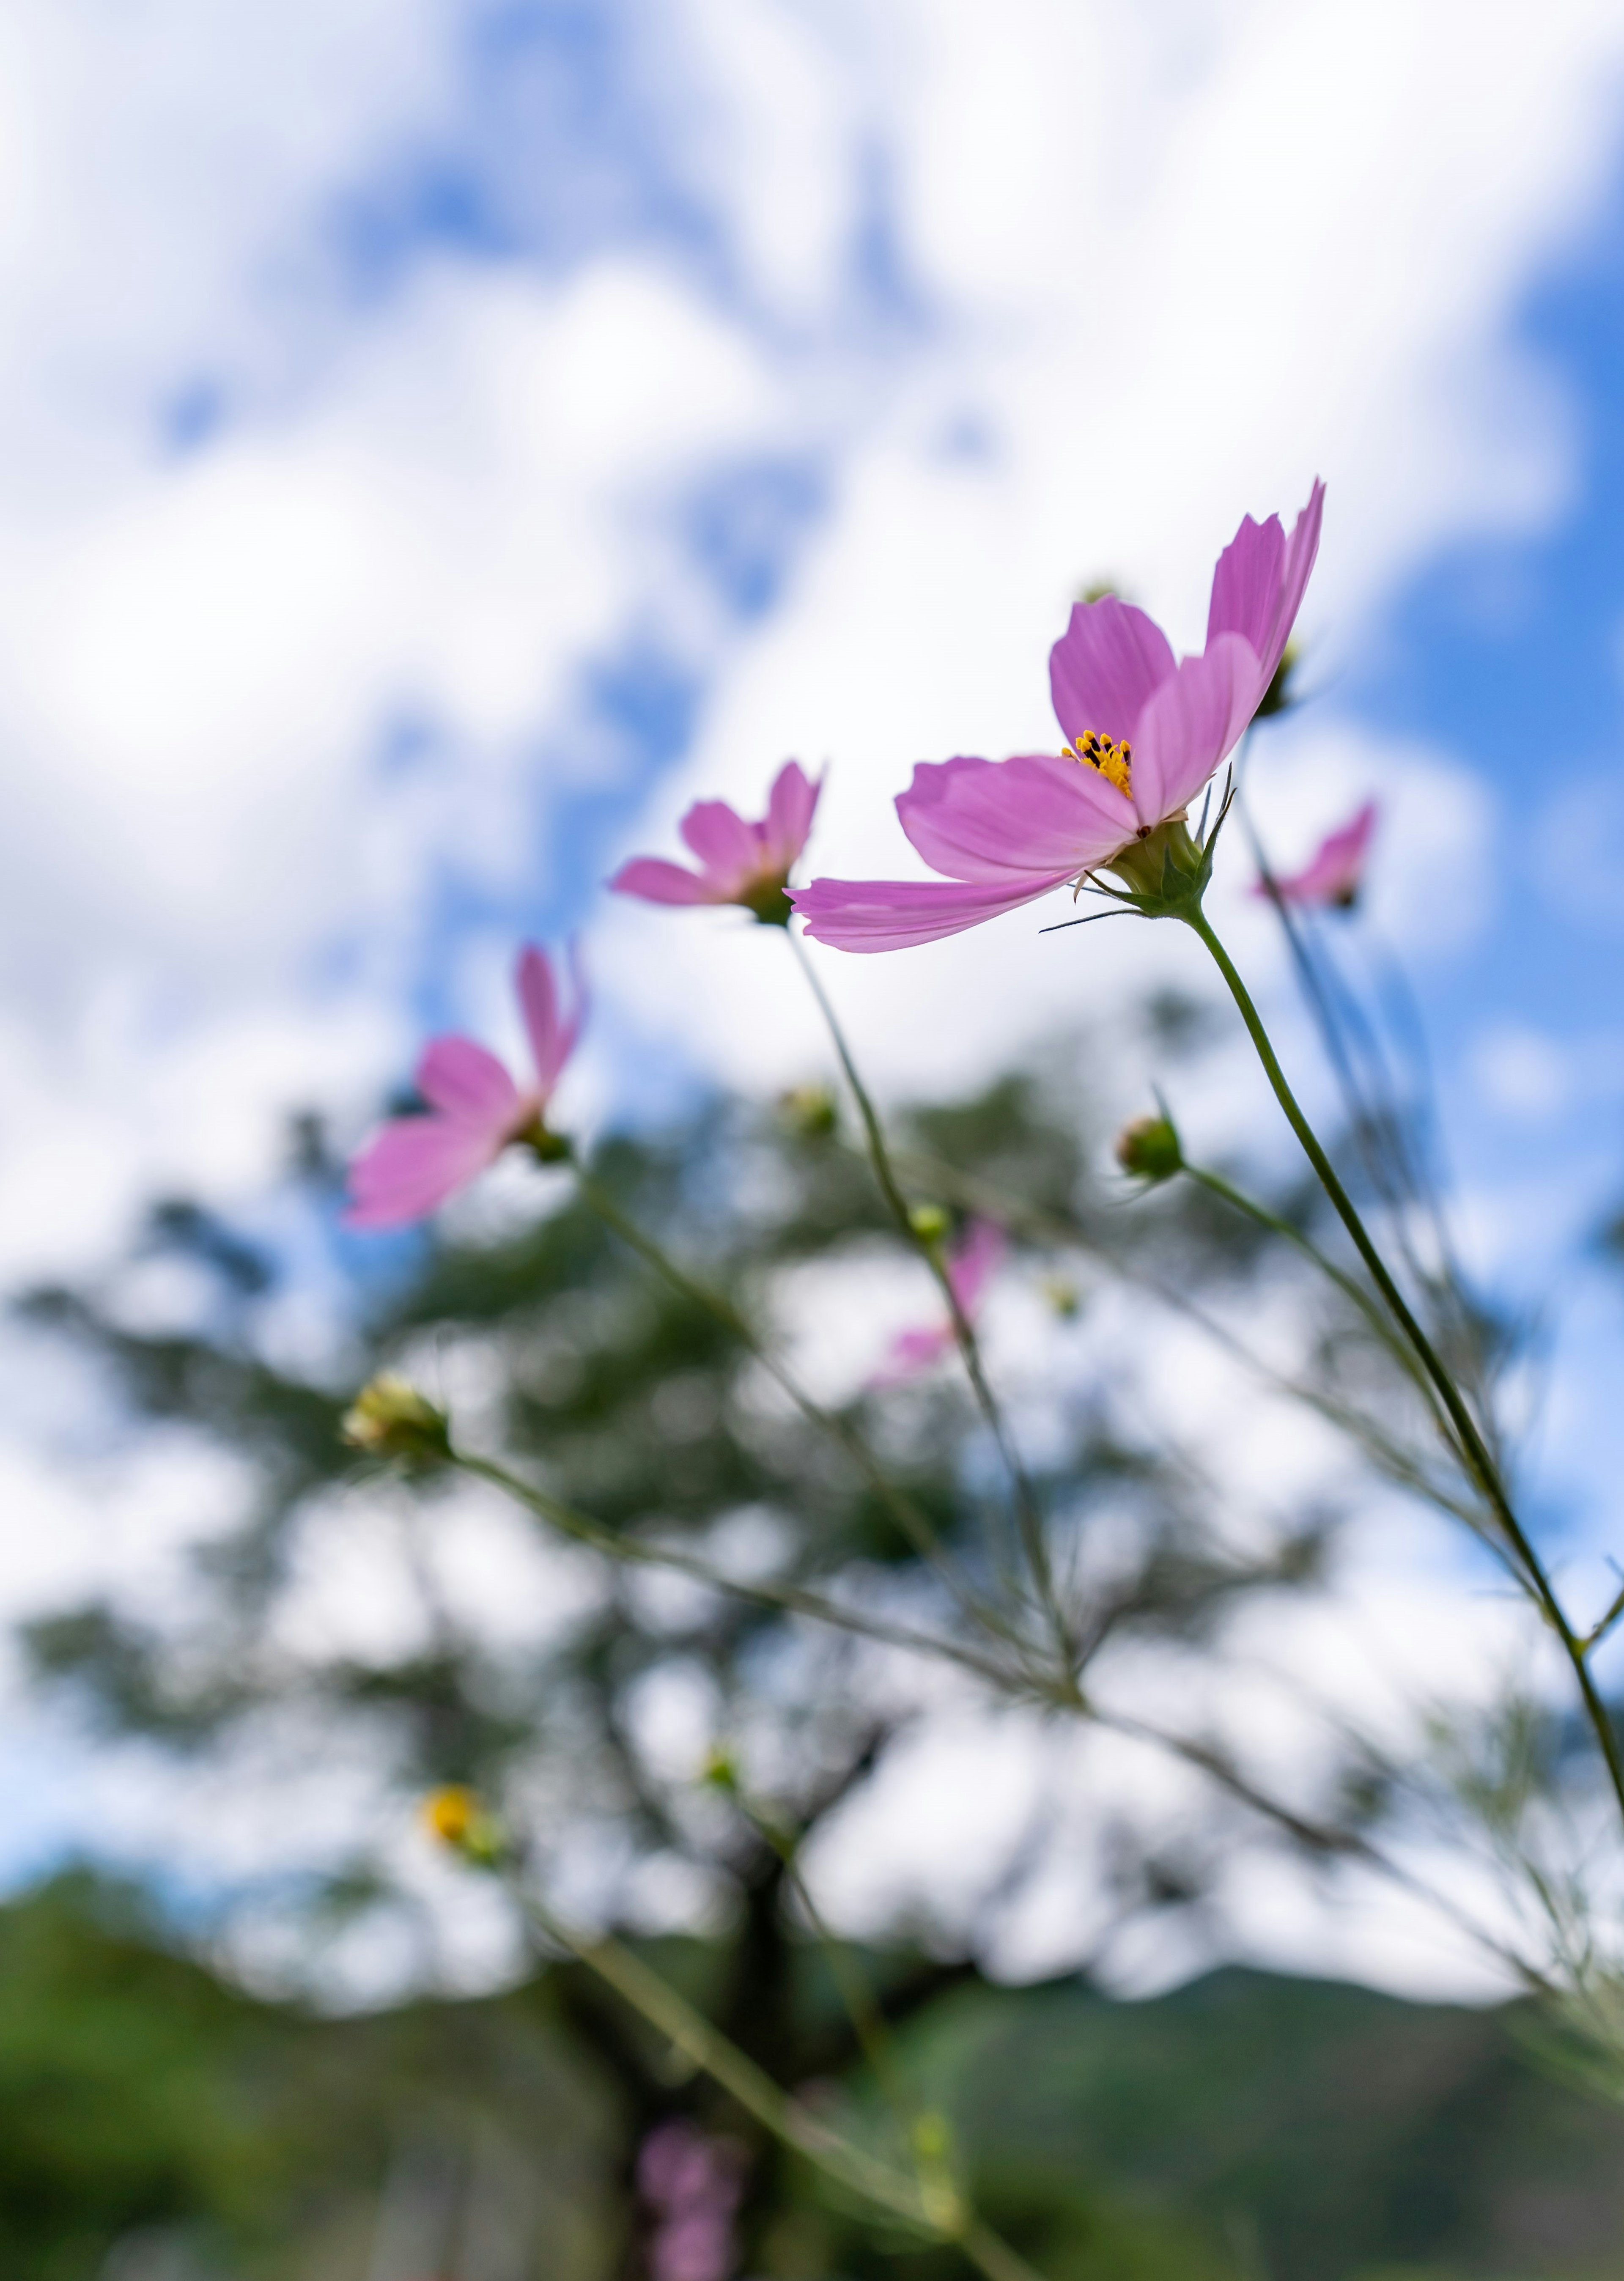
x: 439, y: 439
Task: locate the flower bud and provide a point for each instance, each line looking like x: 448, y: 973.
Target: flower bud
x: 1278, y: 697
x: 458, y: 1817
x: 1063, y: 1298
x: 391, y: 1419
x: 1148, y: 1148
x: 809, y: 1110
x: 929, y: 1222
x: 721, y: 1770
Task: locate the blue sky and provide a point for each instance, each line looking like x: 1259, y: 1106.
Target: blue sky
x: 440, y: 439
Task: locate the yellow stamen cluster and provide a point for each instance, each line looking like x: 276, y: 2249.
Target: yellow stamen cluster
x: 1114, y: 761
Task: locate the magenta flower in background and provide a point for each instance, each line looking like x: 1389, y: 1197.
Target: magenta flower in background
x: 692, y: 2185
x: 739, y: 862
x: 970, y: 1268
x: 411, y: 1167
x: 1144, y: 734
x: 1335, y: 873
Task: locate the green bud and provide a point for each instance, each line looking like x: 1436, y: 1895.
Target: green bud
x: 1278, y: 697
x: 391, y: 1419
x: 1063, y: 1298
x: 1148, y: 1148
x: 811, y: 1111
x: 721, y: 1770
x: 547, y: 1147
x: 770, y: 902
x: 929, y: 1222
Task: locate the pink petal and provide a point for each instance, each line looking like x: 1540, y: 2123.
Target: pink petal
x: 657, y: 881
x: 1037, y: 815
x: 790, y: 806
x: 1258, y: 585
x: 1105, y: 667
x: 724, y: 842
x: 553, y: 1039
x: 910, y: 1354
x: 468, y: 1083
x: 1336, y: 868
x: 1189, y: 725
x: 867, y: 915
x: 413, y: 1165
x: 975, y: 1262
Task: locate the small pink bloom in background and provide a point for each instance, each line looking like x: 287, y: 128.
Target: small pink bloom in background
x: 411, y: 1167
x: 692, y: 2185
x: 739, y: 862
x: 970, y: 1268
x: 1144, y: 733
x: 1335, y: 872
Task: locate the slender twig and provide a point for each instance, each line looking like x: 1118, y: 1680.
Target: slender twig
x: 1479, y: 1460
x: 1030, y: 1518
x: 942, y: 2216
x: 790, y: 1599
x: 909, y: 1517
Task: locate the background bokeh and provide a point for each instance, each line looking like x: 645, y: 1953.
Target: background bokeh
x: 437, y: 440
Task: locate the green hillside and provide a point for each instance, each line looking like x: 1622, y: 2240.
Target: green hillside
x: 155, y: 2125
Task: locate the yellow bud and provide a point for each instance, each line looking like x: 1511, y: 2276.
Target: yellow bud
x: 458, y: 1818
x: 391, y: 1419
x: 929, y: 1222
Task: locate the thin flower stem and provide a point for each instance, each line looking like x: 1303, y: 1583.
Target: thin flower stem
x: 1478, y: 1460
x: 1262, y: 1216
x: 908, y: 1515
x: 784, y: 2117
x: 1029, y: 1516
x: 791, y: 1599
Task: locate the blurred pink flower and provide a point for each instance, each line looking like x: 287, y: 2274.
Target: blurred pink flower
x: 970, y: 1268
x: 1335, y: 872
x: 1143, y: 734
x: 692, y: 2184
x: 739, y: 862
x: 410, y: 1168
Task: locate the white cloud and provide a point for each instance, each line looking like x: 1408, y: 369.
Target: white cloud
x: 1157, y: 268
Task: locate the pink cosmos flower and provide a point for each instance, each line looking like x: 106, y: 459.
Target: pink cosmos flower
x: 739, y: 862
x: 970, y: 1268
x: 692, y: 2185
x: 1335, y: 872
x: 1143, y: 732
x: 411, y: 1167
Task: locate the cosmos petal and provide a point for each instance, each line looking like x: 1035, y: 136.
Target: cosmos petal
x: 790, y: 806
x: 413, y: 1167
x: 1036, y: 813
x: 468, y: 1083
x: 867, y: 915
x: 1189, y: 725
x: 655, y: 881
x: 1104, y: 669
x: 724, y: 842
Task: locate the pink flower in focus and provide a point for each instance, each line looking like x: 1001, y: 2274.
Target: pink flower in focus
x: 739, y: 862
x: 970, y: 1268
x: 692, y: 2184
x: 411, y: 1167
x: 1144, y: 734
x: 1335, y: 872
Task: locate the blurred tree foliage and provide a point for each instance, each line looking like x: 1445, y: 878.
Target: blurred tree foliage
x: 557, y: 1346
x: 157, y: 2124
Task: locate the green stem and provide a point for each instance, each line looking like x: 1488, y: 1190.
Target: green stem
x: 784, y: 2117
x: 1029, y: 1518
x: 1262, y: 1216
x: 1478, y: 1460
x: 791, y: 1599
x: 908, y: 1515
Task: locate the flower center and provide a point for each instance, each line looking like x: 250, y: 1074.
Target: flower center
x: 1114, y: 762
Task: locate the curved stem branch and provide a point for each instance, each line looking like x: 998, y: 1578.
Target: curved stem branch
x: 1029, y: 1518
x: 1475, y: 1449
